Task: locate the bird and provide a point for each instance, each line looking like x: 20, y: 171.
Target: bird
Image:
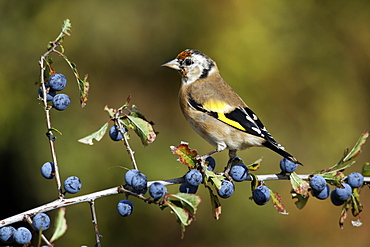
x: 215, y: 111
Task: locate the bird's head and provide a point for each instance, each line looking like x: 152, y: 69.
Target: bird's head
x: 192, y: 65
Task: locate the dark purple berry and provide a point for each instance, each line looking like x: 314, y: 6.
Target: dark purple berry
x: 287, y: 166
x: 226, y: 190
x: 125, y: 207
x: 57, y: 82
x: 48, y: 170
x: 41, y: 221
x: 61, y: 101
x: 187, y: 188
x: 193, y: 177
x: 115, y: 134
x: 261, y: 195
x: 72, y: 184
x: 157, y: 190
x: 355, y: 179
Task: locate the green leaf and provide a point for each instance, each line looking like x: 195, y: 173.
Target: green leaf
x: 83, y: 84
x: 66, y: 28
x: 333, y: 174
x: 255, y: 165
x: 356, y: 204
x: 134, y: 111
x: 127, y: 103
x: 334, y: 178
x: 343, y: 214
x: 254, y: 182
x: 84, y: 88
x: 110, y: 111
x: 97, y: 135
x: 300, y: 190
x: 142, y: 128
x: 56, y: 130
x: 189, y: 202
x: 184, y: 206
x: 299, y: 185
x: 216, y: 204
x: 186, y: 155
x: 301, y: 200
x: 60, y: 224
x: 278, y: 202
x: 356, y: 150
x: 366, y: 169
x: 215, y: 179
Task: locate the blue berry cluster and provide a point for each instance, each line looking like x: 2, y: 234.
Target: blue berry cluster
x: 193, y: 179
x: 57, y: 82
x: 23, y: 235
x: 191, y: 187
x: 321, y: 190
x: 319, y: 187
x: 339, y: 195
x: 137, y: 183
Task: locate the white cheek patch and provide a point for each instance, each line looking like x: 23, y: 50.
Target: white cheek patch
x: 192, y: 75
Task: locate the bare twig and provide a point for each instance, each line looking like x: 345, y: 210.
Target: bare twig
x: 60, y: 202
x: 129, y: 150
x: 125, y: 140
x: 63, y: 202
x: 49, y: 133
x: 95, y: 223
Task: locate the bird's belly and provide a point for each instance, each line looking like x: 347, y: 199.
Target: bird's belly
x: 218, y: 133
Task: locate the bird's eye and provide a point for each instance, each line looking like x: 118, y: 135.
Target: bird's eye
x: 188, y: 62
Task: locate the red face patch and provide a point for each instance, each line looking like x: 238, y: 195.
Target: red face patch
x: 183, y: 55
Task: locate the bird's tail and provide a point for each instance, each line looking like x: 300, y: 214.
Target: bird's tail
x: 281, y: 151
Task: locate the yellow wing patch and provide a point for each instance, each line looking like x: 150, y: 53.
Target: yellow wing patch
x: 221, y: 107
x: 217, y: 106
x: 228, y: 121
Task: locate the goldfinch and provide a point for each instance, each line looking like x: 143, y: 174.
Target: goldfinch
x: 215, y: 111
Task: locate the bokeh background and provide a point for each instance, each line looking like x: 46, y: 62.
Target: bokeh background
x: 303, y: 66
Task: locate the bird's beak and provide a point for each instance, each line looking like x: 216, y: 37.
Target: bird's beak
x: 173, y: 64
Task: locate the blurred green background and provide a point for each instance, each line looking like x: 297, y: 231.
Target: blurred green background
x: 302, y: 66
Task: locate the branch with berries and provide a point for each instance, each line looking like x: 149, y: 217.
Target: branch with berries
x: 343, y: 190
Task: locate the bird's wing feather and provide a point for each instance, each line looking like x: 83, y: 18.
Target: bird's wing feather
x: 243, y: 119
